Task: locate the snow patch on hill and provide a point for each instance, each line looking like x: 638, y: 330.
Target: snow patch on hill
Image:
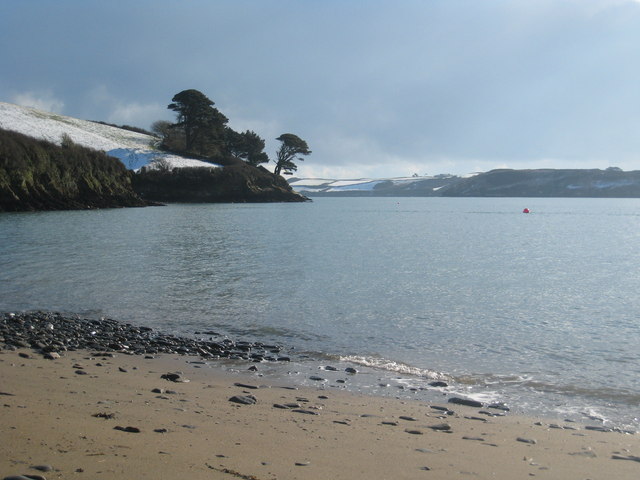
x: 362, y: 184
x: 133, y: 149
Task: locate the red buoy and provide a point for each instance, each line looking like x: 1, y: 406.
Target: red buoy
x: 526, y: 210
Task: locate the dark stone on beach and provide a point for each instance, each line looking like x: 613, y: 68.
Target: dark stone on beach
x: 329, y: 368
x: 80, y: 372
x: 439, y: 384
x: 393, y: 424
x: 120, y: 369
x: 478, y: 439
x: 530, y: 441
x: 443, y: 409
x: 158, y: 390
x: 443, y: 427
x: 476, y: 418
x: 351, y: 370
x: 499, y: 406
x: 25, y: 477
x: 243, y: 399
x: 491, y: 414
x: 306, y: 412
x: 42, y: 468
x: 597, y: 428
x: 317, y: 379
x: 465, y: 401
x: 632, y: 458
x: 106, y: 416
x: 160, y: 430
x: 127, y: 429
x: 253, y: 368
x: 414, y: 432
x: 409, y: 419
x: 51, y: 355
x: 24, y: 355
x: 244, y: 385
x: 174, y: 377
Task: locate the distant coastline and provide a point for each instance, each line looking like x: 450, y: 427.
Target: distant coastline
x: 585, y: 183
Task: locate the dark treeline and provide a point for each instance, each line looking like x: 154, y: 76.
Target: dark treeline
x: 39, y: 175
x: 237, y: 182
x: 201, y: 131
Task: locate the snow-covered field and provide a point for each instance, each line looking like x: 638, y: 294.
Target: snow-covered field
x: 328, y: 185
x: 133, y: 149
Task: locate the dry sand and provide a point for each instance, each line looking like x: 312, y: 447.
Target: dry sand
x: 48, y: 418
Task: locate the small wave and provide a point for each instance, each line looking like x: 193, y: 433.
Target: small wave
x: 391, y: 366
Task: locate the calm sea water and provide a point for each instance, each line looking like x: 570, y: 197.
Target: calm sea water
x: 539, y: 310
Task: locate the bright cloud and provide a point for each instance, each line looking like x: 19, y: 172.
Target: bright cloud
x: 41, y: 100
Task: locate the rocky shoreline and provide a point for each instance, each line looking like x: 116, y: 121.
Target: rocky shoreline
x: 51, y: 333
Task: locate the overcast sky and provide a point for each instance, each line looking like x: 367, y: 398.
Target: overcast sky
x: 376, y: 88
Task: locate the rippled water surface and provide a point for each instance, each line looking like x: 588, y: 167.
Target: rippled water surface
x: 540, y: 309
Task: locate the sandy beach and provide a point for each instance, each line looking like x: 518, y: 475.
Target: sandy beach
x: 113, y: 417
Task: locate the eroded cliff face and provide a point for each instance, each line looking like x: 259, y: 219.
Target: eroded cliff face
x: 38, y: 175
x: 235, y: 182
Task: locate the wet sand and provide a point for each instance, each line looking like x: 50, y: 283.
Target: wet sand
x: 84, y: 416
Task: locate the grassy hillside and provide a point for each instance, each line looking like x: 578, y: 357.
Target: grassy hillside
x: 39, y: 175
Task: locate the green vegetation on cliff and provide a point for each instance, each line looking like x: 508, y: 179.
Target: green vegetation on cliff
x: 236, y: 182
x: 39, y: 175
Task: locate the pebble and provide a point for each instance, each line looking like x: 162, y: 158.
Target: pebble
x: 244, y: 385
x: 444, y: 427
x: 127, y: 429
x: 243, y: 399
x: 442, y: 409
x: 174, y: 377
x: 526, y: 440
x: 408, y: 419
x: 465, y: 401
x: 439, y: 384
x: 633, y: 458
x: 42, y: 468
x: 25, y: 477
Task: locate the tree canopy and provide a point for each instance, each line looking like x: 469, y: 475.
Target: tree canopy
x: 202, y: 124
x: 202, y: 130
x: 290, y: 149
